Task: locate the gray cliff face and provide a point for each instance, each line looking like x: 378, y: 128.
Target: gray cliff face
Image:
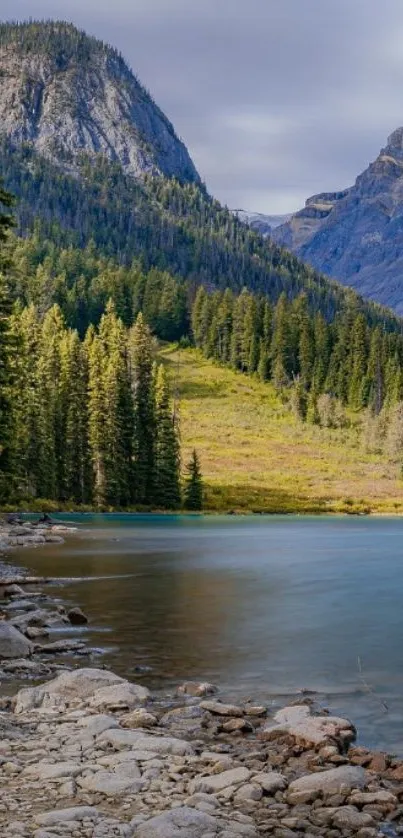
x: 356, y: 235
x: 80, y: 97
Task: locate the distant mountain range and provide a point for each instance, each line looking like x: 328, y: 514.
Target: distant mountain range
x: 356, y: 235
x: 263, y: 224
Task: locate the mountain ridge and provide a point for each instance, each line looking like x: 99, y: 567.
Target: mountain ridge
x: 355, y: 235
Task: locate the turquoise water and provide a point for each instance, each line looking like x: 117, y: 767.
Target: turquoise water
x: 262, y: 606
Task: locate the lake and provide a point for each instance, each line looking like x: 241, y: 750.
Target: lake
x: 261, y: 606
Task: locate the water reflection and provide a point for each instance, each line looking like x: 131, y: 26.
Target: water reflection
x: 260, y: 606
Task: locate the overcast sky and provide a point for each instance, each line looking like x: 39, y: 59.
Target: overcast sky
x: 275, y: 99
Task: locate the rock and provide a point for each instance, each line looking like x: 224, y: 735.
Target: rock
x: 78, y: 685
x: 184, y: 720
x: 196, y: 690
x: 61, y: 647
x: 13, y: 644
x: 122, y: 696
x: 77, y: 617
x: 270, y: 781
x: 250, y: 791
x: 139, y: 718
x: 182, y: 822
x: 237, y: 726
x: 345, y: 777
x: 58, y: 816
x: 217, y: 782
x: 21, y: 605
x: 35, y: 632
x: 139, y: 741
x: 309, y: 730
x: 373, y: 798
x: 219, y: 709
x: 348, y: 817
x: 52, y: 770
x: 13, y: 590
x: 111, y: 784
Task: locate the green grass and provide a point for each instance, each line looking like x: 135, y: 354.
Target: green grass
x: 256, y: 457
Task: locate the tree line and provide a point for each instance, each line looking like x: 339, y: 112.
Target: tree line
x: 346, y: 360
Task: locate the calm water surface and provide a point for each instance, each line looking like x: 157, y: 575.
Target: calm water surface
x: 263, y: 607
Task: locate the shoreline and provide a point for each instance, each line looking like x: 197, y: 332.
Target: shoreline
x: 90, y: 754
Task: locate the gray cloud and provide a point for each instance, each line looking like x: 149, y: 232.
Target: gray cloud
x: 276, y: 99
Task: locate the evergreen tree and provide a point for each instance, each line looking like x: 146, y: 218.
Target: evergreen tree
x: 141, y: 366
x: 167, y: 452
x: 194, y: 485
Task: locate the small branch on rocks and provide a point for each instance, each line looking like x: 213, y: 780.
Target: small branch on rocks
x: 370, y: 689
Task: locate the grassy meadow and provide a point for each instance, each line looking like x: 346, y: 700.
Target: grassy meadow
x: 257, y: 457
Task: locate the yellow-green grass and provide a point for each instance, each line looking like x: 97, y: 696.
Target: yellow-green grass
x: 257, y: 457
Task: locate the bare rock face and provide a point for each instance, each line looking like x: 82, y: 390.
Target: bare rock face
x: 356, y: 235
x: 70, y: 95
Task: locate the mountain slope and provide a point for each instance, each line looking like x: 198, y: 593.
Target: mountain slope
x: 356, y: 235
x: 257, y: 457
x: 68, y: 94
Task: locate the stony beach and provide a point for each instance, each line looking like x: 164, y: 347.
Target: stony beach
x: 84, y: 752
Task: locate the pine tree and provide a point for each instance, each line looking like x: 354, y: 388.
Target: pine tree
x: 356, y: 393
x: 281, y: 345
x: 194, y: 485
x: 167, y: 452
x: 141, y: 366
x: 97, y: 417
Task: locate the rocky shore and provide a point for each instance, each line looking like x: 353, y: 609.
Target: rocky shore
x: 88, y: 753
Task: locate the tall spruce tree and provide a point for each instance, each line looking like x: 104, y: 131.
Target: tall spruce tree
x: 141, y: 368
x: 167, y: 451
x: 193, y: 499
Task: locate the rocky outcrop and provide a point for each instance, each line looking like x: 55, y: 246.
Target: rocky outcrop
x: 69, y: 95
x: 356, y: 235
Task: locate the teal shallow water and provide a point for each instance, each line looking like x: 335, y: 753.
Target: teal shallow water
x: 262, y: 606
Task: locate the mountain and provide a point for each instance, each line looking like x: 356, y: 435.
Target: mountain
x: 356, y: 235
x: 94, y: 163
x: 263, y: 224
x: 67, y: 94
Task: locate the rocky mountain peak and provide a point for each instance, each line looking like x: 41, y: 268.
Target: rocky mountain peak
x: 395, y: 142
x: 68, y: 94
x: 356, y: 235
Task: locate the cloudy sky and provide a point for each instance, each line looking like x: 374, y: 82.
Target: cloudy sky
x: 275, y: 99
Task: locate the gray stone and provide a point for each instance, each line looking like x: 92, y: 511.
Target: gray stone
x: 77, y: 617
x: 343, y: 778
x: 270, y: 781
x: 13, y: 644
x: 219, y: 709
x: 309, y: 730
x: 182, y: 822
x: 59, y: 816
x: 140, y: 741
x: 111, y: 784
x: 196, y: 689
x: 122, y: 696
x: 348, y: 817
x: 216, y: 782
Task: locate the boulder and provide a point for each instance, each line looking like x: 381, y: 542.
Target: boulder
x: 219, y: 709
x: 77, y: 686
x: 77, y: 617
x: 58, y: 816
x: 120, y: 739
x: 122, y: 696
x: 335, y: 780
x: 139, y: 718
x: 13, y: 644
x: 183, y: 822
x: 196, y: 689
x: 218, y: 782
x: 112, y: 784
x: 309, y: 730
x: 348, y: 817
x: 270, y: 781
